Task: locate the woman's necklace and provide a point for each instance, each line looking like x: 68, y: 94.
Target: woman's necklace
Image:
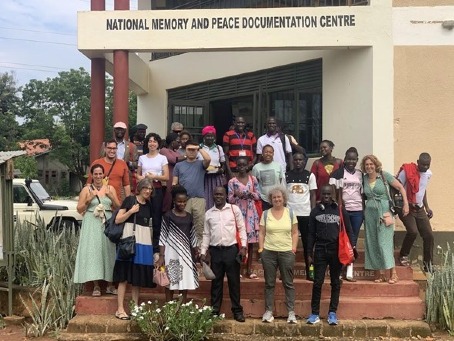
x: 98, y: 188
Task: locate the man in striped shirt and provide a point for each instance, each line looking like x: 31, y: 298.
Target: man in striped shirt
x: 238, y: 142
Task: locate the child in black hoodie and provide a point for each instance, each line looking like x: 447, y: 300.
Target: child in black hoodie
x: 322, y: 250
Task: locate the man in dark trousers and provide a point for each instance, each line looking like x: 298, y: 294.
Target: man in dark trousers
x: 415, y: 178
x: 219, y: 237
x: 322, y: 250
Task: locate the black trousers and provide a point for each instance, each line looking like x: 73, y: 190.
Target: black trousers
x: 303, y: 227
x: 223, y: 262
x: 324, y: 257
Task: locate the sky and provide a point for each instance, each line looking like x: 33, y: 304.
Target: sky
x: 38, y: 38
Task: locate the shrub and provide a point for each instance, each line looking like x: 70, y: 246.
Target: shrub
x: 175, y: 320
x: 440, y: 292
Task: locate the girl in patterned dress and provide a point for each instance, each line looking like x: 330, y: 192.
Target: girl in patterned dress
x: 243, y: 192
x: 178, y: 247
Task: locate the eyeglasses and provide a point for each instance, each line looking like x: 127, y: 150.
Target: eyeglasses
x: 112, y: 148
x: 148, y: 188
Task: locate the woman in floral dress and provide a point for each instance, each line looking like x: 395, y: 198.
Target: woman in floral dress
x: 244, y: 192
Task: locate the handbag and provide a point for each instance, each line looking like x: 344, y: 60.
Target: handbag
x: 345, y: 254
x: 238, y: 239
x: 112, y: 230
x: 160, y: 277
x: 396, y: 200
x: 257, y: 203
x: 387, y: 219
x: 127, y: 246
x: 207, y: 272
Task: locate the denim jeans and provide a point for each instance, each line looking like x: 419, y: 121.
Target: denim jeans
x: 323, y: 257
x: 271, y: 261
x: 356, y: 220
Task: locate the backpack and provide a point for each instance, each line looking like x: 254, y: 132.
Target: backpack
x: 265, y: 213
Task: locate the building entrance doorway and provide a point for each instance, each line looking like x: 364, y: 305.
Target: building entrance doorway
x: 225, y: 111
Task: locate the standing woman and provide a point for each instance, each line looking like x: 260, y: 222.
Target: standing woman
x: 244, y: 192
x: 178, y: 247
x: 349, y: 188
x: 278, y: 239
x: 170, y: 151
x: 135, y: 212
x: 323, y: 167
x: 214, y: 176
x: 154, y: 167
x: 379, y: 241
x: 95, y: 253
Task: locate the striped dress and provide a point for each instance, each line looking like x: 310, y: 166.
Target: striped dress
x: 137, y: 271
x: 178, y: 237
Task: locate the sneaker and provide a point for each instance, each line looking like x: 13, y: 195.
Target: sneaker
x: 291, y: 317
x: 313, y: 319
x: 332, y: 318
x: 268, y: 317
x: 404, y: 261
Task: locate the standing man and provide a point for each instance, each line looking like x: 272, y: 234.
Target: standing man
x: 301, y: 188
x: 280, y: 143
x: 176, y: 127
x: 415, y: 179
x: 322, y: 250
x: 116, y: 171
x: 222, y: 222
x: 139, y: 131
x: 126, y: 151
x: 191, y: 175
x: 238, y: 142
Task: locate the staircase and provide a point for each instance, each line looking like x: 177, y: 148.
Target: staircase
x: 363, y: 299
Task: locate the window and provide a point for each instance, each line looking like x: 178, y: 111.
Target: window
x: 20, y: 195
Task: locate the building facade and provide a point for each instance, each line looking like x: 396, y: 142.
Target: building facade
x: 377, y: 75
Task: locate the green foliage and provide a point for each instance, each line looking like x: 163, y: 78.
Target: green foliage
x: 175, y: 320
x: 45, y: 259
x: 8, y: 110
x: 27, y: 165
x: 440, y: 292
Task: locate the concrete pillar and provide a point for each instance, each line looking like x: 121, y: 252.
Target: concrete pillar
x: 121, y: 76
x: 98, y: 96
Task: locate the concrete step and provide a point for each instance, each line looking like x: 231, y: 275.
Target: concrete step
x: 89, y: 328
x: 382, y: 295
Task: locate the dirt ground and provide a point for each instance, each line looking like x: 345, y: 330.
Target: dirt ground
x: 17, y: 333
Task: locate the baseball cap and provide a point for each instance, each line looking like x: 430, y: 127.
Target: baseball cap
x: 120, y: 125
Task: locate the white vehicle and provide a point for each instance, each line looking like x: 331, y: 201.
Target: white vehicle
x: 32, y: 200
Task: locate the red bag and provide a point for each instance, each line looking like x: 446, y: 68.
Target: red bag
x: 257, y: 203
x: 238, y: 238
x: 346, y: 255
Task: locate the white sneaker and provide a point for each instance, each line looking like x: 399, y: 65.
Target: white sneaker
x: 291, y: 317
x: 268, y: 317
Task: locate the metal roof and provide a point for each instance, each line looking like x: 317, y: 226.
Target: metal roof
x: 5, y: 156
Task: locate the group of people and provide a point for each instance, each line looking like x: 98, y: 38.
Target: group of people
x: 210, y: 203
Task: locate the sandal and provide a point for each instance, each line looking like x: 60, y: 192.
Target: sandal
x: 96, y: 291
x: 253, y: 276
x: 394, y: 279
x: 381, y: 279
x: 404, y: 261
x: 350, y: 279
x: 122, y: 316
x: 111, y: 290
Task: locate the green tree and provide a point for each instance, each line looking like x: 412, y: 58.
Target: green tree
x: 59, y: 109
x: 8, y: 109
x: 27, y: 165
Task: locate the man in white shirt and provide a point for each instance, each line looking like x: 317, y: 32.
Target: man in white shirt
x: 415, y: 179
x: 222, y: 223
x: 280, y: 143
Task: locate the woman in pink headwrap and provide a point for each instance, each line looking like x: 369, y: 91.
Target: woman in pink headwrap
x: 214, y: 176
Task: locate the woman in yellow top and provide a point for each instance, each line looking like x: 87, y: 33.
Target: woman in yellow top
x: 278, y: 239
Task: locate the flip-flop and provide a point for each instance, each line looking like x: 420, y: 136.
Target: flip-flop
x: 96, y: 291
x: 122, y: 316
x: 253, y: 276
x: 111, y: 290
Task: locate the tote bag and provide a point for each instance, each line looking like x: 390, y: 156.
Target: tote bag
x: 346, y: 255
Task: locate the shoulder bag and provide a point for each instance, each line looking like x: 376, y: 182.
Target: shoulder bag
x: 345, y: 253
x: 396, y: 200
x: 127, y: 246
x: 113, y: 231
x: 238, y: 238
